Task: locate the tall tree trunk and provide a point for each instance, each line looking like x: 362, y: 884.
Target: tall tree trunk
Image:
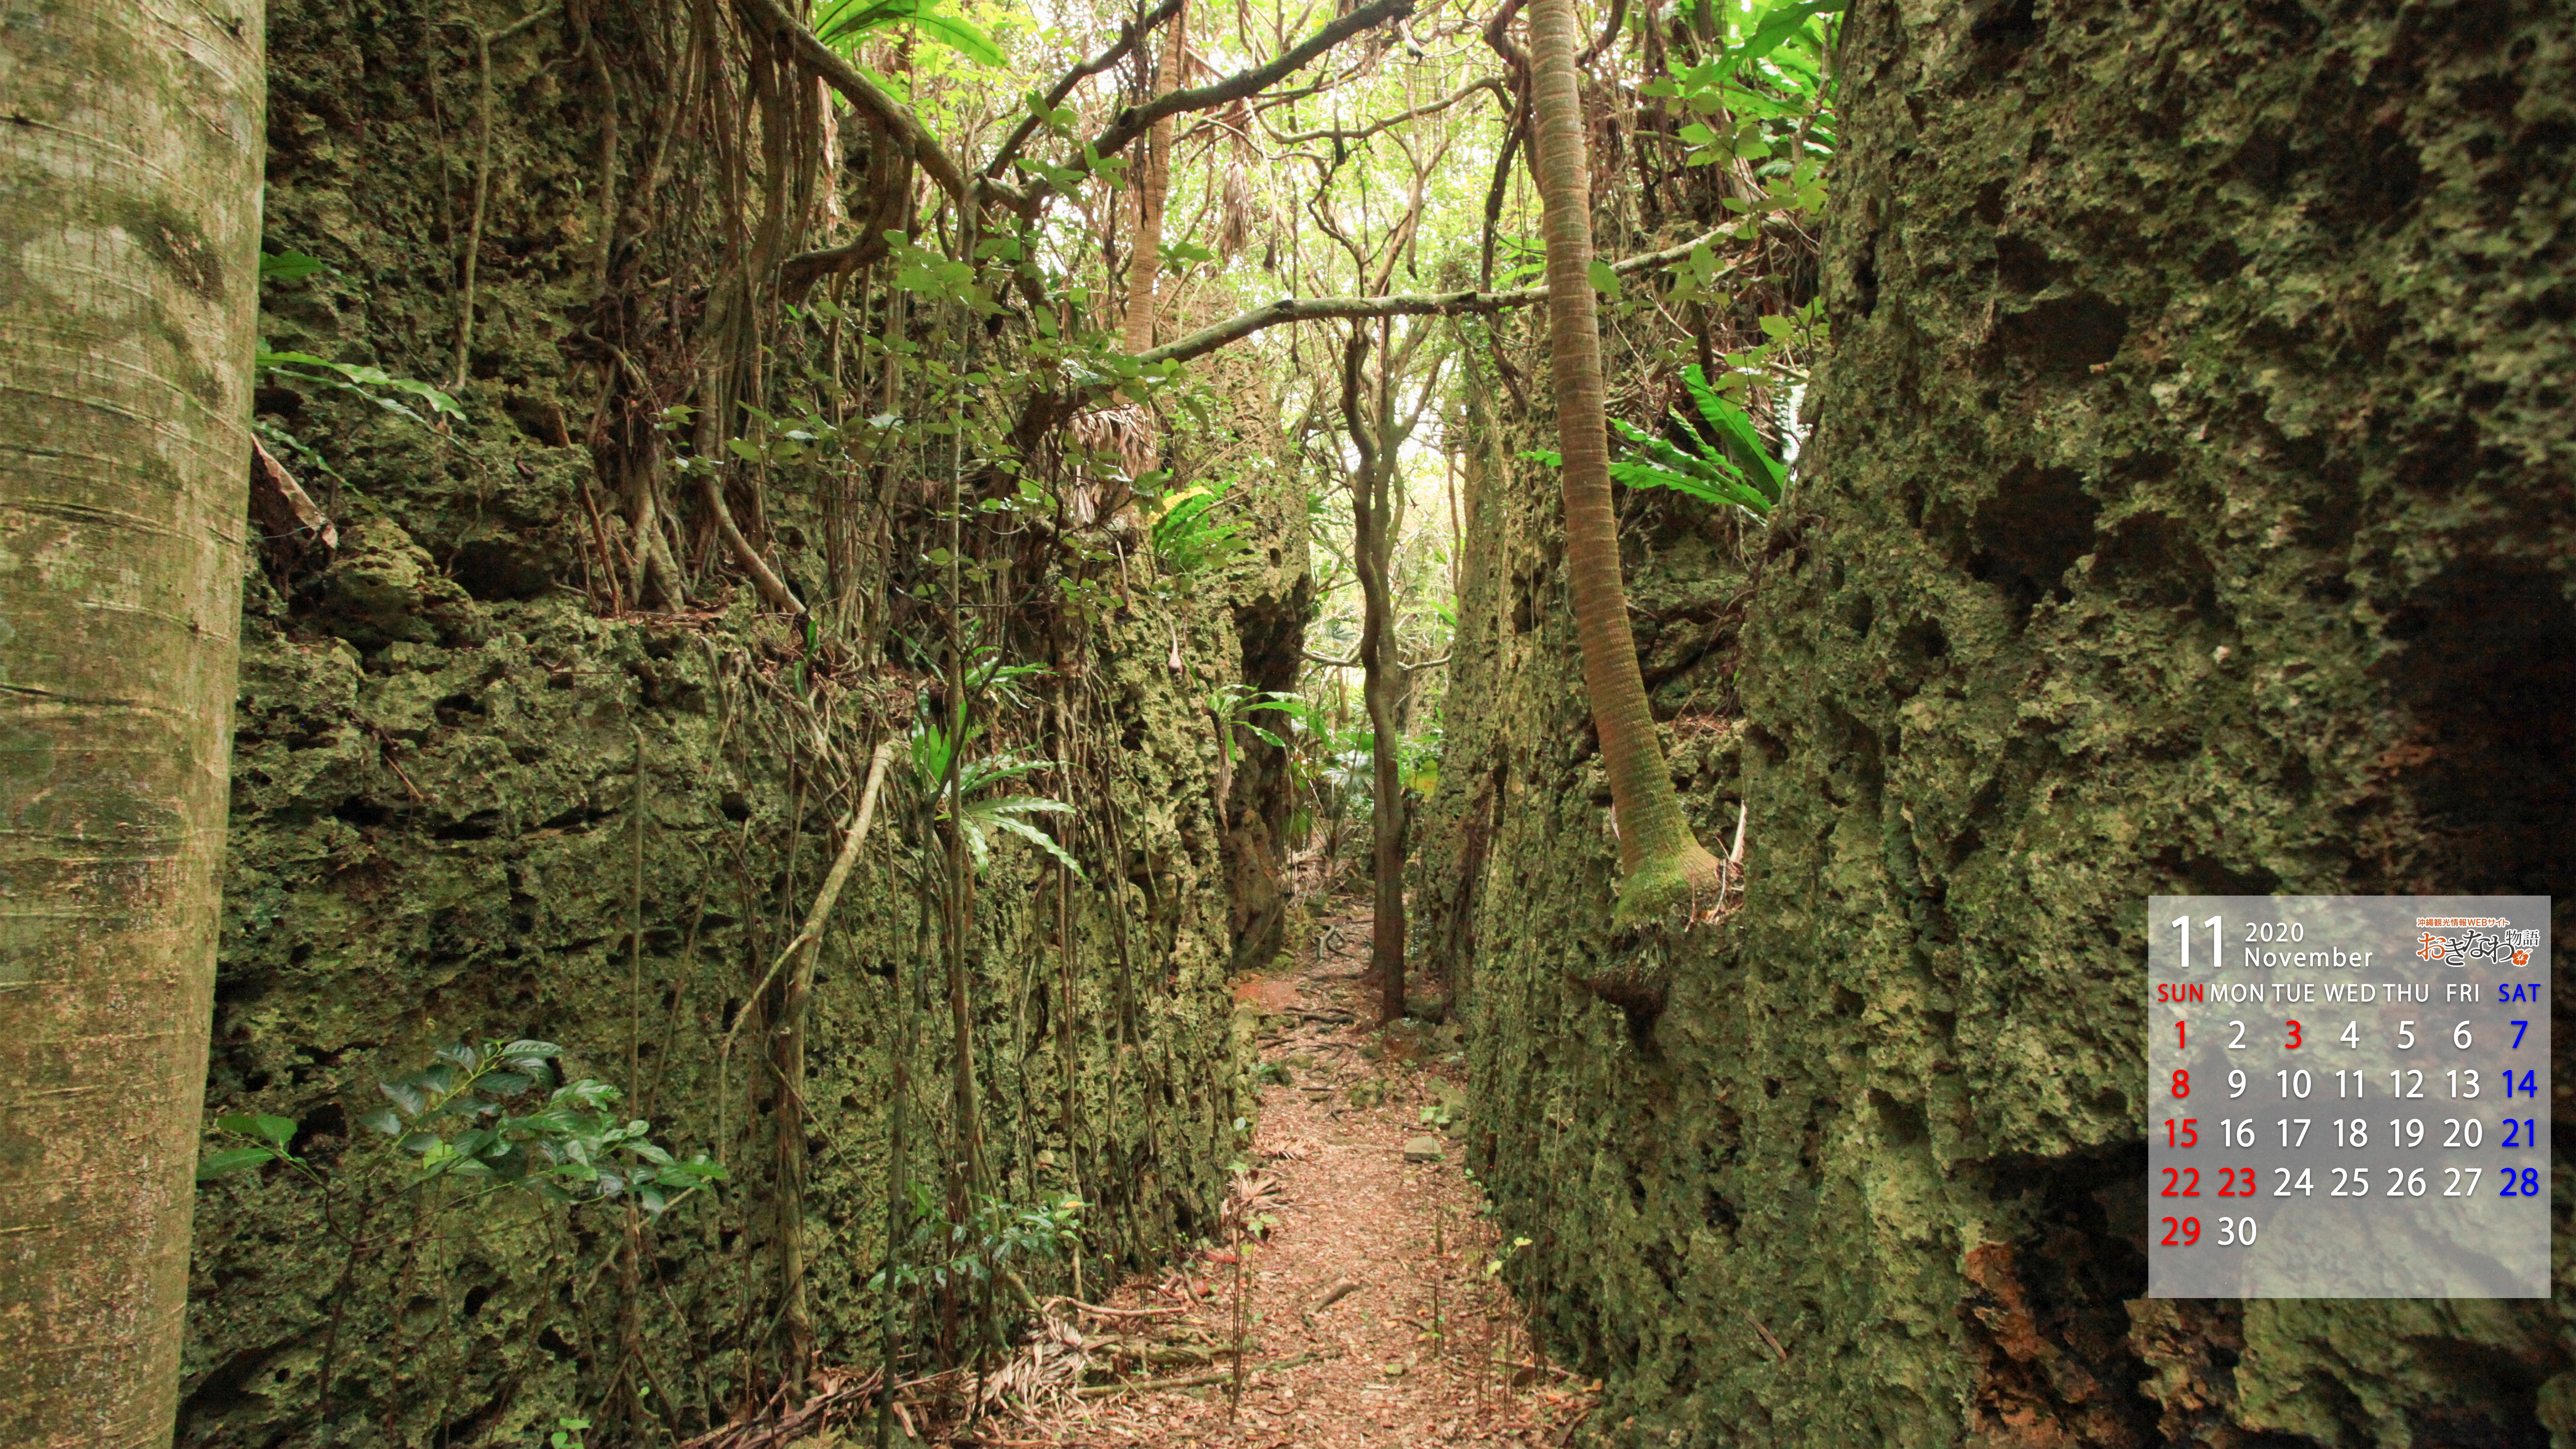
x: 1373, y: 553
x: 131, y: 226
x: 1663, y: 864
x: 1153, y: 181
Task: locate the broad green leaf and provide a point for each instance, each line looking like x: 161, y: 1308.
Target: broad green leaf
x: 1604, y: 280
x: 465, y: 1105
x: 1778, y: 26
x: 961, y: 37
x: 839, y: 21
x: 1041, y: 840
x: 1734, y: 431
x: 1749, y: 102
x: 1017, y: 805
x: 287, y: 266
x: 891, y: 85
x: 230, y: 1160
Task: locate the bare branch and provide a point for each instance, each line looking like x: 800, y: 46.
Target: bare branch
x: 1498, y: 34
x: 1609, y: 32
x: 1128, y: 35
x: 1135, y: 121
x: 1490, y: 83
x: 1401, y: 304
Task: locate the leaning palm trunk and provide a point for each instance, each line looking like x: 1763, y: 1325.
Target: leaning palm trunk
x: 1663, y: 866
x: 131, y: 227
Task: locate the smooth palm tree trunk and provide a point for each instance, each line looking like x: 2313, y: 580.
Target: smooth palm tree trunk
x: 129, y: 225
x: 1663, y: 864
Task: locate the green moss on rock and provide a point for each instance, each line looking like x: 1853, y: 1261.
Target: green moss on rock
x: 2188, y: 515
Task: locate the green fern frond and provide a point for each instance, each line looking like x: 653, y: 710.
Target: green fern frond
x: 1040, y: 838
x: 1731, y: 429
x: 842, y: 23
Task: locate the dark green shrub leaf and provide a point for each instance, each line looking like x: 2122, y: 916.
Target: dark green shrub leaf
x: 287, y: 266
x: 230, y: 1160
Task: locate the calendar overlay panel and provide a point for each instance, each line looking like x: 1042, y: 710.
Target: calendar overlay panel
x: 2348, y: 1097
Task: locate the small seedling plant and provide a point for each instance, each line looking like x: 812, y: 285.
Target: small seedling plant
x: 474, y: 1119
x: 1000, y: 1236
x: 402, y: 396
x: 481, y: 1121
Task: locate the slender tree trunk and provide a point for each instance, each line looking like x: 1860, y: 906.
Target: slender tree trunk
x: 130, y: 221
x: 1378, y: 666
x: 1387, y: 823
x: 1663, y: 865
x: 1372, y: 550
x: 1153, y: 181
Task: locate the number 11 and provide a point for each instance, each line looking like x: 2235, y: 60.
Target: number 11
x: 2182, y: 933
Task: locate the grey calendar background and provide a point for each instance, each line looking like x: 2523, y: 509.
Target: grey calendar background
x: 2346, y: 1200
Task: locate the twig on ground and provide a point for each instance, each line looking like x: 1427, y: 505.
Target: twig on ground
x: 1766, y: 1333
x: 1117, y: 1312
x: 1201, y: 1380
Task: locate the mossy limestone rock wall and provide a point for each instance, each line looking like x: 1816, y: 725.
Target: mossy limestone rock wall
x: 2190, y: 512
x: 440, y: 841
x: 465, y: 805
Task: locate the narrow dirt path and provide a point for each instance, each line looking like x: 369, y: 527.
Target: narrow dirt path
x: 1367, y: 1312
